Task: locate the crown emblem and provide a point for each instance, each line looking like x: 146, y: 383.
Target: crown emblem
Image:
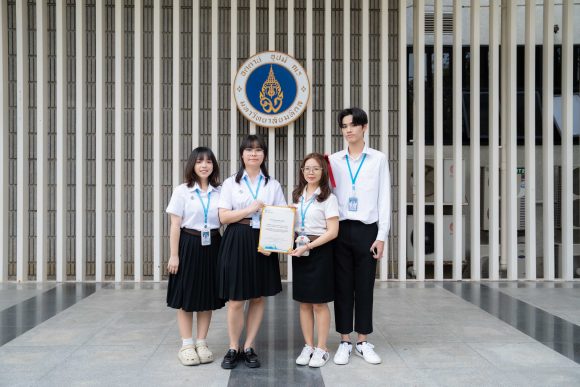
x: 271, y: 95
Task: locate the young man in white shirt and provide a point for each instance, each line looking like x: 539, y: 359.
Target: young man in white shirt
x: 364, y: 195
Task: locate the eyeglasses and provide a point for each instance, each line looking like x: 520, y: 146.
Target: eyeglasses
x: 349, y: 125
x: 311, y: 169
x: 258, y: 151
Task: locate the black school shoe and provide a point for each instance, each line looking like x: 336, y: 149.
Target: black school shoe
x: 251, y: 359
x: 230, y: 359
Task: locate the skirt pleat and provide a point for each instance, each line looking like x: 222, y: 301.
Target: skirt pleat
x: 243, y: 273
x: 193, y: 287
x: 313, y: 276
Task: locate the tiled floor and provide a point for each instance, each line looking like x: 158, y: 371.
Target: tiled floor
x: 428, y: 334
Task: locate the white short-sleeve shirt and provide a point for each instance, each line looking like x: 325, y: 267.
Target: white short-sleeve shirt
x: 235, y: 196
x: 186, y: 203
x: 316, y: 214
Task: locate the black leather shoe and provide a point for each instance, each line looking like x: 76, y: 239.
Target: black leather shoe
x: 230, y: 359
x: 251, y: 358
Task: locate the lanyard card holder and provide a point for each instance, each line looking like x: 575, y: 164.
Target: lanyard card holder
x: 353, y: 203
x: 255, y: 223
x: 205, y: 236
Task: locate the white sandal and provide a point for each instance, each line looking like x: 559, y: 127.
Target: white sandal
x: 188, y: 356
x: 205, y: 355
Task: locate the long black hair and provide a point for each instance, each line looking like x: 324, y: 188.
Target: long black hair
x: 201, y: 153
x: 253, y: 141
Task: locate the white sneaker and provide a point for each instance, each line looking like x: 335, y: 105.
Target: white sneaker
x: 342, y: 354
x: 305, y: 355
x: 319, y: 358
x: 366, y: 351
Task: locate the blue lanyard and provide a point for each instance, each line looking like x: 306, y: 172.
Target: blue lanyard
x: 303, y: 211
x: 353, y: 179
x: 205, y: 209
x: 255, y: 196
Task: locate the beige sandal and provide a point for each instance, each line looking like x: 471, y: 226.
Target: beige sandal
x: 205, y: 355
x: 188, y: 356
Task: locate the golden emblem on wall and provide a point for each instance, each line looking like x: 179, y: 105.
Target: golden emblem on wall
x: 271, y: 95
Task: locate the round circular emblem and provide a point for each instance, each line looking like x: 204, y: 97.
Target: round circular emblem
x: 271, y: 89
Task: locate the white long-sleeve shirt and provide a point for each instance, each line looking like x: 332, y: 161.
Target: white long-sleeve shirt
x: 373, y: 188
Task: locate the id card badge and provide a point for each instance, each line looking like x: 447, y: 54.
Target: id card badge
x: 352, y: 203
x: 302, y: 240
x: 255, y: 220
x: 205, y: 237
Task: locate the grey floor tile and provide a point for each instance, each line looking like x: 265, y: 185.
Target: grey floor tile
x: 442, y: 355
x: 514, y: 355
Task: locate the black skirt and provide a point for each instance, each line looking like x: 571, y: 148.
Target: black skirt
x: 313, y: 276
x: 193, y: 288
x: 243, y: 273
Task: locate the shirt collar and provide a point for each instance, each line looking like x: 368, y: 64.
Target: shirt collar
x: 246, y: 174
x: 317, y: 192
x: 196, y: 187
x: 365, y: 151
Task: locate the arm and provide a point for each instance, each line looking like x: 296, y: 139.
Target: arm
x: 174, y: 232
x: 228, y: 216
x: 384, y: 206
x: 330, y: 234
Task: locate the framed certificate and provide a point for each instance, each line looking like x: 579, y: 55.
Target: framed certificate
x: 277, y: 229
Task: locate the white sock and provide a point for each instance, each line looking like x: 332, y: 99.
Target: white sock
x: 200, y: 341
x: 185, y: 342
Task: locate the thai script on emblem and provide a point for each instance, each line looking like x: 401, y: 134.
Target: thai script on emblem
x: 271, y: 89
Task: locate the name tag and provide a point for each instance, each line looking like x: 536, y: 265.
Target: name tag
x: 353, y: 203
x: 205, y: 237
x: 255, y: 222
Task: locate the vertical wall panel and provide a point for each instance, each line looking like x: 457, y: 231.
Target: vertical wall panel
x: 438, y: 136
x: 4, y: 133
x: 81, y: 116
x: 119, y: 137
x: 100, y: 250
x: 157, y: 129
x: 138, y: 141
x: 494, y: 91
x: 474, y: 149
x: 61, y: 149
x: 457, y: 143
x: 195, y: 57
x: 567, y: 139
x: 233, y: 70
x: 547, y: 137
x: 510, y: 143
x: 419, y: 136
x: 42, y: 121
x: 22, y: 226
x: 384, y: 111
x: 176, y: 106
x: 402, y: 122
x: 530, y: 125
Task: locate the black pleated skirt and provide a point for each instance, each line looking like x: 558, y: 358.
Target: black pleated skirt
x: 243, y: 273
x: 313, y: 276
x: 193, y: 287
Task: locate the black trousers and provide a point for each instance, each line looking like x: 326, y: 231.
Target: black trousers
x: 354, y: 274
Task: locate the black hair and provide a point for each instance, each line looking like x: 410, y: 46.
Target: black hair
x: 253, y: 141
x: 359, y: 116
x: 201, y: 153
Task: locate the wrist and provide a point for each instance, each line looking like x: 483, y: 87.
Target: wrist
x: 308, y: 246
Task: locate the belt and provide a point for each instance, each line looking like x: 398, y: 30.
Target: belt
x: 246, y: 221
x: 311, y: 237
x: 190, y: 231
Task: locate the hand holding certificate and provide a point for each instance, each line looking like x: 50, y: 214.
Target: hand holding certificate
x: 277, y: 229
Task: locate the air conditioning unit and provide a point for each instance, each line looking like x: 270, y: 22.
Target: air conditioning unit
x: 448, y: 232
x: 448, y: 177
x: 521, y: 201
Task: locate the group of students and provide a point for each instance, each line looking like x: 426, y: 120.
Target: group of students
x: 343, y: 218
